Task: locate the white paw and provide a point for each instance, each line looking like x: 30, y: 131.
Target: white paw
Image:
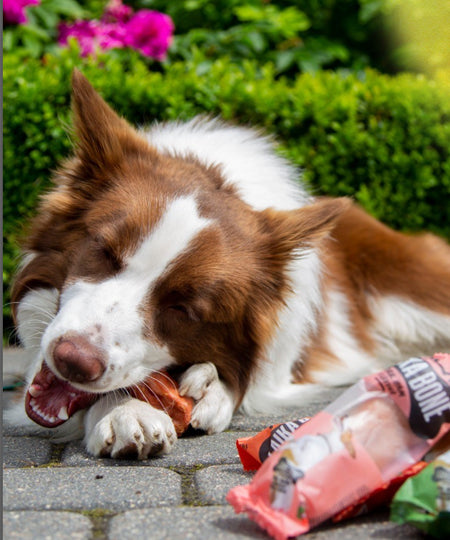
x: 130, y: 429
x: 214, y: 402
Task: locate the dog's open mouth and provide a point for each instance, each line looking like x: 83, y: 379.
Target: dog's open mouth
x: 50, y: 401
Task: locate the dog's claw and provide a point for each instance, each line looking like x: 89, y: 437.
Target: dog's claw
x: 131, y: 429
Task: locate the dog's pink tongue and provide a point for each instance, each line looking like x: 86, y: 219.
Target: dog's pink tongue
x: 50, y: 401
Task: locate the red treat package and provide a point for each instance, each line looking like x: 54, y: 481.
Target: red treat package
x: 370, y: 434
x: 253, y: 451
x: 256, y: 449
x: 381, y: 496
x: 161, y: 391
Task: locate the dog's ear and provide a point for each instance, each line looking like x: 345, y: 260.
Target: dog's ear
x: 103, y: 137
x: 302, y: 228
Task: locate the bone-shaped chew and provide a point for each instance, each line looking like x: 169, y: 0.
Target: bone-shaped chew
x: 161, y: 391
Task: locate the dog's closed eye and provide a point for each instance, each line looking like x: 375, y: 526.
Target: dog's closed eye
x: 183, y: 311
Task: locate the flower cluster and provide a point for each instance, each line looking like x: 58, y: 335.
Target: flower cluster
x: 149, y: 32
x: 14, y: 10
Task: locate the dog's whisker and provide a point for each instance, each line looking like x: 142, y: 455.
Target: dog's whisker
x: 40, y: 310
x: 155, y: 395
x: 165, y: 386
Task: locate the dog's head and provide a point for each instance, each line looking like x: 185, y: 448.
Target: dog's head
x: 156, y: 259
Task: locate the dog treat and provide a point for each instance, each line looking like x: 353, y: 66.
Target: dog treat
x: 256, y: 449
x: 424, y: 500
x: 370, y: 434
x: 161, y: 391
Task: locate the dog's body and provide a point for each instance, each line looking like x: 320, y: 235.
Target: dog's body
x: 193, y: 245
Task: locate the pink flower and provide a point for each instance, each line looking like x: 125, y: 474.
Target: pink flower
x: 85, y: 32
x: 111, y: 36
x: 149, y: 32
x: 92, y: 35
x: 115, y: 11
x: 14, y: 10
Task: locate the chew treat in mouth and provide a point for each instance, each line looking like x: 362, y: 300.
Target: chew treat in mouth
x: 365, y: 438
x: 50, y: 401
x: 161, y: 391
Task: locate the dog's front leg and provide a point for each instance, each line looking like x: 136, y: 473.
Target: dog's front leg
x: 215, y: 403
x: 127, y: 428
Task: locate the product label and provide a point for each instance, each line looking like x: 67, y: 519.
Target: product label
x: 278, y: 436
x: 429, y: 394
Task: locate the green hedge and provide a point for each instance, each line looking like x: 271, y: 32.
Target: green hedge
x: 383, y: 140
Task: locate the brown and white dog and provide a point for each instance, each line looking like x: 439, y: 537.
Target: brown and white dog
x: 194, y: 245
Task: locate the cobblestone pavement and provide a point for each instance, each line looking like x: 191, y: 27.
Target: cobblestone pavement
x: 57, y: 491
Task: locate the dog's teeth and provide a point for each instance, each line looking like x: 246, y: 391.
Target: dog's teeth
x: 35, y: 390
x: 62, y: 415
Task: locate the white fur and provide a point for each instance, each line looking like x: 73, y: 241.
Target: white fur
x: 354, y: 363
x: 272, y: 386
x: 114, y: 425
x: 215, y: 403
x: 246, y: 158
x: 404, y: 329
x: 34, y: 313
x: 108, y: 312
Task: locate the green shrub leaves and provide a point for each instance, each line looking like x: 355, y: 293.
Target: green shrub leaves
x: 383, y: 140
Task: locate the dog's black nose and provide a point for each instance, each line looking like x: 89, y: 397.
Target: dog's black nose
x: 77, y: 360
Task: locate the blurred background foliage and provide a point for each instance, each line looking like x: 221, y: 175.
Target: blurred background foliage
x: 356, y: 91
x: 301, y: 35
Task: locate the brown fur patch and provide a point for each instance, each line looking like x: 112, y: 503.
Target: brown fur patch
x: 364, y: 258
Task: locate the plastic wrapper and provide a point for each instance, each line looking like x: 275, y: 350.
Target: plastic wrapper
x: 424, y: 500
x: 370, y: 434
x: 253, y: 451
x: 256, y: 449
x: 381, y: 496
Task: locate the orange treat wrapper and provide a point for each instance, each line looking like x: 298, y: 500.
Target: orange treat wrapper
x: 161, y: 391
x: 256, y: 449
x: 375, y: 430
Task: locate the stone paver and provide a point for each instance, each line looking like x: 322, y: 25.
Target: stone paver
x: 243, y: 422
x: 221, y: 523
x: 188, y: 451
x: 31, y: 525
x: 213, y: 483
x: 26, y: 451
x: 214, y: 522
x: 55, y: 488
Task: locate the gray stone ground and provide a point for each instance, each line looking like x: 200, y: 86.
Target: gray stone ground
x: 56, y: 491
